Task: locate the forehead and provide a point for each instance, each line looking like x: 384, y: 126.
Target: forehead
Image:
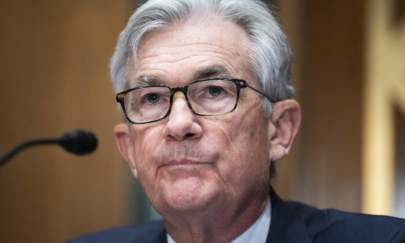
x: 187, y: 48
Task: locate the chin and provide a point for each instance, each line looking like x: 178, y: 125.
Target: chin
x: 189, y: 195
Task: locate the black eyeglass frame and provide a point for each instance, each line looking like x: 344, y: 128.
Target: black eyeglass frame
x: 240, y: 84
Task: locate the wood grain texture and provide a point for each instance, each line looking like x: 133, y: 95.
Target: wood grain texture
x: 324, y: 168
x: 54, y: 71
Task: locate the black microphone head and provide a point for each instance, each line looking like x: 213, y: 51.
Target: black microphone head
x: 79, y: 142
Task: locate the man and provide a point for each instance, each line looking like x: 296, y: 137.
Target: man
x: 205, y: 89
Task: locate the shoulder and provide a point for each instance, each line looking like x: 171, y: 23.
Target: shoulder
x: 334, y: 224
x: 331, y: 225
x: 297, y: 222
x: 152, y: 232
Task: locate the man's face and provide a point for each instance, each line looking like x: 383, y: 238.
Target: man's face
x: 188, y: 162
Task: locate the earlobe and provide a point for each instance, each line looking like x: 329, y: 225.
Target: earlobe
x: 124, y: 144
x: 283, y: 127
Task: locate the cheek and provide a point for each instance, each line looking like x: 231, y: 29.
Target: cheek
x: 242, y: 167
x: 247, y: 132
x: 243, y: 145
x: 146, y: 143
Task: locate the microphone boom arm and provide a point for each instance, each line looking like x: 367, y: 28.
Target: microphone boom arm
x: 14, y: 151
x: 78, y: 142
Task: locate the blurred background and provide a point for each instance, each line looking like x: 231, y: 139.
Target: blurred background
x: 350, y: 77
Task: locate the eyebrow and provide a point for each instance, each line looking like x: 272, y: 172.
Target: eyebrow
x: 207, y: 72
x: 148, y: 80
x: 210, y: 72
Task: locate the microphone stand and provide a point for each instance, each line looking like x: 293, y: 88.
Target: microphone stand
x: 79, y: 142
x: 14, y: 151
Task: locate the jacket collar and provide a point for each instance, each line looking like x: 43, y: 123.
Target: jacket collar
x: 286, y: 223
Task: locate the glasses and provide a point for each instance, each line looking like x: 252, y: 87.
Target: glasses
x: 205, y: 97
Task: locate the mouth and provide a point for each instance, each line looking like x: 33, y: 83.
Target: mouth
x: 185, y: 162
x: 184, y: 167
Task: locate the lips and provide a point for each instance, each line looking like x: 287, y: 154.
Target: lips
x: 185, y: 161
x: 181, y: 162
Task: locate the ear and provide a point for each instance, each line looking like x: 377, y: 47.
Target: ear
x: 283, y: 127
x: 124, y: 144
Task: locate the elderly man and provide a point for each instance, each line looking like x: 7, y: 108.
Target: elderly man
x: 205, y: 89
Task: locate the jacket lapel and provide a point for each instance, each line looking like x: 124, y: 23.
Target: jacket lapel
x: 160, y: 238
x: 286, y: 224
x: 155, y: 232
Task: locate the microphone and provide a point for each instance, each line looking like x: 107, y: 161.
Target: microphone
x: 79, y: 142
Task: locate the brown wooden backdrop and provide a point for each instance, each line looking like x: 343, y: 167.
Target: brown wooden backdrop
x: 54, y: 77
x: 328, y: 41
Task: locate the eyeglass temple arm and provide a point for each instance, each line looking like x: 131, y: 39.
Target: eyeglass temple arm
x: 244, y: 84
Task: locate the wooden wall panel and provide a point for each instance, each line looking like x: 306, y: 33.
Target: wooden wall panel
x: 54, y: 71
x: 327, y: 37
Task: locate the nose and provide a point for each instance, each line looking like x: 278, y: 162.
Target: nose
x: 182, y: 123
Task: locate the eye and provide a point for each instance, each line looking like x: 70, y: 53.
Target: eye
x: 151, y: 98
x: 215, y: 91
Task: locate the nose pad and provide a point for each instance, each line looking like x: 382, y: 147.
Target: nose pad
x: 182, y: 123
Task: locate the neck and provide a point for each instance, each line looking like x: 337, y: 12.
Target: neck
x: 216, y: 224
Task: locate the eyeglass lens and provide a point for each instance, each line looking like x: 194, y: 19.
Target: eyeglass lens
x: 210, y: 97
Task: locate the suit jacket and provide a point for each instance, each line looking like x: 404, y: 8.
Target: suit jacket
x: 291, y: 222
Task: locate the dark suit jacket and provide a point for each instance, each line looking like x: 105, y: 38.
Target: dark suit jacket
x: 290, y: 222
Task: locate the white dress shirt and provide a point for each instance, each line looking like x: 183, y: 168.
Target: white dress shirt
x: 256, y: 233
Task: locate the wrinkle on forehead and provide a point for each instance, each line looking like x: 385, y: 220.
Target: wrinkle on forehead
x: 222, y: 41
x: 174, y: 53
x: 203, y: 47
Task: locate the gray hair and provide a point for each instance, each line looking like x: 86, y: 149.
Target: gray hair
x: 269, y: 54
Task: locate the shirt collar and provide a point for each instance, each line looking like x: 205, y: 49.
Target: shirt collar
x: 256, y: 233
